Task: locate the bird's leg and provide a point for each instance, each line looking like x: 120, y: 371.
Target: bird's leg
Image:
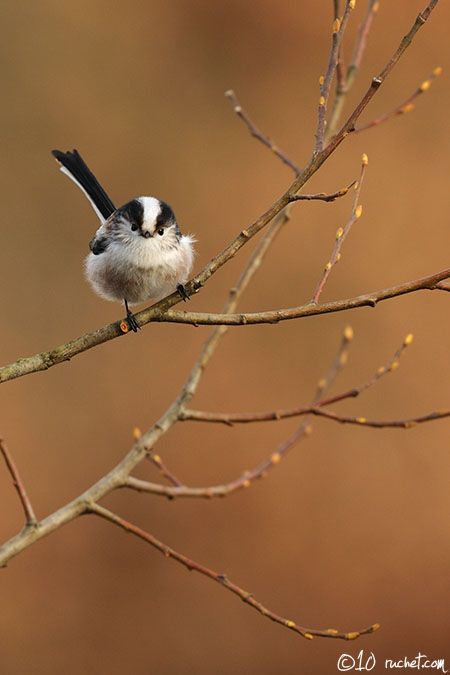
x: 182, y: 292
x: 131, y: 318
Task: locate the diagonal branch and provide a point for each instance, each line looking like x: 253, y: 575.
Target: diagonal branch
x: 404, y: 107
x: 223, y: 580
x: 341, y: 235
x: 344, y: 82
x: 339, y: 26
x: 256, y: 133
x: 17, y: 482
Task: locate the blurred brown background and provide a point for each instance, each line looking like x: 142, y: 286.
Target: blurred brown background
x: 352, y: 527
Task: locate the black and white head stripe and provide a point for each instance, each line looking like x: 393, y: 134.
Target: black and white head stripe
x: 73, y: 166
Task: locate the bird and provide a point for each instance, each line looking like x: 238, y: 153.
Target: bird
x: 138, y: 253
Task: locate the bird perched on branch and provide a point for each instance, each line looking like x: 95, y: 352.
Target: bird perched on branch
x: 138, y: 253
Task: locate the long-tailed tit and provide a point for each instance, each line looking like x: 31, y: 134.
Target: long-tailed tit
x: 138, y: 252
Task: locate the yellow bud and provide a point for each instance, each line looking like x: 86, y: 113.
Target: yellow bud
x: 348, y: 333
x: 437, y: 71
x: 394, y: 365
x: 365, y: 159
x: 137, y: 433
x: 246, y: 483
x: 332, y: 631
x: 321, y: 101
x: 328, y: 267
x: 375, y: 626
x: 376, y: 7
x: 308, y: 430
x: 339, y: 256
x: 410, y: 425
x: 343, y: 359
x: 336, y: 25
x: 156, y: 459
x: 351, y: 636
x: 321, y: 80
x: 356, y: 185
x: 361, y: 420
x: 289, y: 624
x: 358, y: 211
x: 308, y: 636
x: 425, y: 85
x: 408, y: 339
x: 407, y: 108
x: 275, y: 458
x: 352, y: 4
x: 339, y: 233
x: 321, y: 383
x: 381, y: 370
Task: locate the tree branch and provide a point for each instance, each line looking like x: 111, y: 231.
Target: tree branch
x: 256, y: 133
x: 341, y: 235
x: 17, y: 482
x: 223, y: 580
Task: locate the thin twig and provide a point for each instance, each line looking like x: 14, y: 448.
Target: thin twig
x: 323, y: 196
x: 377, y: 81
x: 339, y: 26
x: 318, y: 403
x: 243, y: 481
x: 341, y: 235
x: 223, y: 580
x: 18, y: 484
x: 406, y: 106
x: 344, y: 83
x: 408, y: 423
x: 157, y: 461
x: 256, y: 133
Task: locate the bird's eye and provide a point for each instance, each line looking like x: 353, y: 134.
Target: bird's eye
x: 160, y: 231
x: 134, y: 227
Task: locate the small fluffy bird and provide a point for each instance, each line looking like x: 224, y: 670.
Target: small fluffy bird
x: 138, y: 253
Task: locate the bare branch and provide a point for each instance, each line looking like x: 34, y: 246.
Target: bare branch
x: 339, y: 26
x: 223, y: 580
x: 341, y: 235
x: 375, y: 84
x: 310, y: 309
x: 240, y: 112
x: 319, y: 403
x: 406, y: 106
x: 18, y: 484
x: 344, y: 82
x: 322, y: 196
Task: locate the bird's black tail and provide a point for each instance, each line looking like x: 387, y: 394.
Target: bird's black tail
x: 73, y: 165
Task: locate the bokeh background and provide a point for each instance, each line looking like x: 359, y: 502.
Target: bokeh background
x: 353, y: 526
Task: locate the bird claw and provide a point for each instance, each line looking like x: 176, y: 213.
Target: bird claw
x: 182, y: 292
